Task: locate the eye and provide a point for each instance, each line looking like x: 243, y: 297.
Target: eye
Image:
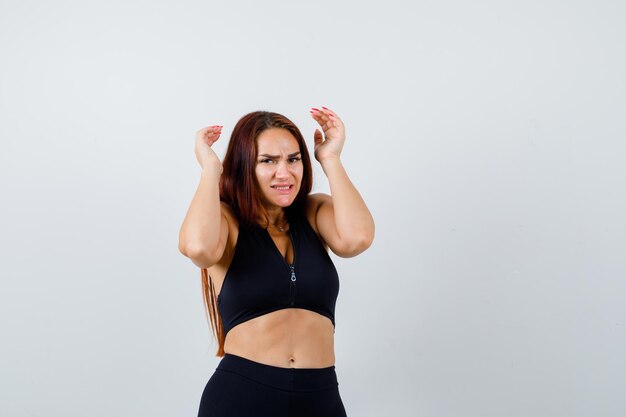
x: 294, y: 159
x: 266, y: 161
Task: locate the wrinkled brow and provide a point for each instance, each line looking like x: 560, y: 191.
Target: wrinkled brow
x: 291, y: 155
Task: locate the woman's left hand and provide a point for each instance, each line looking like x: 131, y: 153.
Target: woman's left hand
x: 329, y: 145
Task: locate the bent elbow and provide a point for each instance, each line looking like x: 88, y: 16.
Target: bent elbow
x: 367, y: 241
x: 201, y: 256
x: 182, y: 249
x: 363, y: 242
x: 357, y: 245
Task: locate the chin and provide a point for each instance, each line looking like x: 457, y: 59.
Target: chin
x: 285, y: 203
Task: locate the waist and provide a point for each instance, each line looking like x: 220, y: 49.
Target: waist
x: 289, y: 379
x: 290, y: 338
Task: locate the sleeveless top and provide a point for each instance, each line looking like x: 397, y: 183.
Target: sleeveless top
x: 259, y: 280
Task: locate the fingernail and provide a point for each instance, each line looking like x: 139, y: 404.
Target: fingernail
x: 324, y: 108
x: 315, y: 109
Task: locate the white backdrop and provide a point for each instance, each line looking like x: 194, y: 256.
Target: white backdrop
x: 488, y: 139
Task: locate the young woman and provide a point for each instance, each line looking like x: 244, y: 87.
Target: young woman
x: 262, y: 240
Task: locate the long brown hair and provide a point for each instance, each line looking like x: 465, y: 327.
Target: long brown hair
x: 238, y: 189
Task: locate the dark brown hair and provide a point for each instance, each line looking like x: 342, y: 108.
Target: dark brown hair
x: 238, y: 189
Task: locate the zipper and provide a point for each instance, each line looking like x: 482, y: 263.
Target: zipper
x: 292, y: 285
x: 292, y: 272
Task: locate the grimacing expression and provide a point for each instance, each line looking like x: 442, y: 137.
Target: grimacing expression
x: 278, y: 167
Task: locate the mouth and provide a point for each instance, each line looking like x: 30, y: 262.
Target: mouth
x: 282, y: 188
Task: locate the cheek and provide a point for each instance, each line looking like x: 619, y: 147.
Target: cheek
x: 299, y: 172
x: 261, y: 174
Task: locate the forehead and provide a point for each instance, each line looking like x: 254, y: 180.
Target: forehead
x: 276, y: 140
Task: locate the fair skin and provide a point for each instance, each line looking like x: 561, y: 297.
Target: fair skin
x: 292, y: 337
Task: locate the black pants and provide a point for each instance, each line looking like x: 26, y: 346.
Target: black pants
x: 244, y: 388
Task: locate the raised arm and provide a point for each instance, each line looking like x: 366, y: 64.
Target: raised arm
x: 343, y: 220
x: 204, y: 231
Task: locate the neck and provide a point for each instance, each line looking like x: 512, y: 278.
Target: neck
x: 275, y: 216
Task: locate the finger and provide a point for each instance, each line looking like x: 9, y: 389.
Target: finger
x: 214, y: 129
x: 325, y: 123
x: 330, y: 118
x: 320, y: 117
x: 327, y: 119
x: 202, y: 132
x: 329, y: 112
x: 209, y: 129
x: 317, y: 137
x: 212, y: 134
x: 317, y: 113
x: 211, y: 140
x: 333, y: 116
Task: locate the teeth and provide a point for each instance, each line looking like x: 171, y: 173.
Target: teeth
x: 282, y: 188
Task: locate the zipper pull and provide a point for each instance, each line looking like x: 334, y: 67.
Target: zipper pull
x: 292, y: 285
x: 293, y: 273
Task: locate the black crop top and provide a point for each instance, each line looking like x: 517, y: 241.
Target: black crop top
x: 259, y: 280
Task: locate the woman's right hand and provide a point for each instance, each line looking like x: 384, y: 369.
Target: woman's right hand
x: 207, y: 158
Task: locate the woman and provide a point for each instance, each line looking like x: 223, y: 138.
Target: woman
x: 262, y: 242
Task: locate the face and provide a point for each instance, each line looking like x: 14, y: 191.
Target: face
x: 278, y: 168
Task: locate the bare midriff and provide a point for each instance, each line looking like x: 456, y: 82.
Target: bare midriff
x: 287, y: 338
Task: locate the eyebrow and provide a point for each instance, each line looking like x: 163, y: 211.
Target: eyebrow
x: 291, y: 155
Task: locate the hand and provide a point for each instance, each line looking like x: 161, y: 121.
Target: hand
x: 329, y: 145
x: 206, y: 156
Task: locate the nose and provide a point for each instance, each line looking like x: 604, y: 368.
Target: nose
x: 282, y: 170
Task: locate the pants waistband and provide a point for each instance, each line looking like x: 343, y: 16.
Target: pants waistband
x: 288, y: 379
